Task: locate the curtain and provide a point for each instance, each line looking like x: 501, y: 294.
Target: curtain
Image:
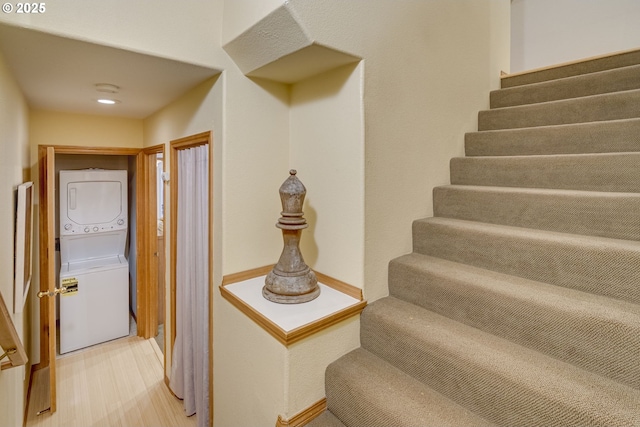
x: 190, y: 362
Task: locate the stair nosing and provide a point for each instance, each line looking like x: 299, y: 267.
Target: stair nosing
x: 530, y: 156
x: 536, y: 234
x: 565, y: 101
x: 569, y: 80
x: 552, y: 126
x: 505, y: 280
x: 539, y: 190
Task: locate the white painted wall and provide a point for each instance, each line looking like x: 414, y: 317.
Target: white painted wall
x: 14, y: 169
x: 550, y: 32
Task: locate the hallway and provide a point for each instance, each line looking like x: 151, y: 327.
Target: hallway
x: 119, y: 383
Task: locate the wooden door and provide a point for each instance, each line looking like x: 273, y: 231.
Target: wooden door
x: 46, y: 159
x: 147, y: 242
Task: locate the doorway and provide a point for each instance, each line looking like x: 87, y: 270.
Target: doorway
x: 191, y: 213
x: 140, y: 243
x: 151, y: 292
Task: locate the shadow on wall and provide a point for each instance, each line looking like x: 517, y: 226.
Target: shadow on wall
x: 308, y: 245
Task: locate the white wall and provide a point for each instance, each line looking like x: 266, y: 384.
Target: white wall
x: 14, y: 169
x: 550, y: 32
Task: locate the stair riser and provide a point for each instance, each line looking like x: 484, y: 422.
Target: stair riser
x: 597, y: 137
x: 506, y: 385
x: 587, y: 213
x: 609, y: 269
x: 586, y: 335
x: 622, y: 59
x: 590, y: 172
x: 620, y: 79
x: 622, y: 105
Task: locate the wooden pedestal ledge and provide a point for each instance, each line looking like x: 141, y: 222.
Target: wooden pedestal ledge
x: 302, y: 418
x: 243, y: 290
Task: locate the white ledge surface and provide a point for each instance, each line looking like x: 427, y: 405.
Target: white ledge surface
x: 291, y: 316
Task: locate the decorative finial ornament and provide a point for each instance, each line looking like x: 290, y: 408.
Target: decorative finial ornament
x: 291, y: 281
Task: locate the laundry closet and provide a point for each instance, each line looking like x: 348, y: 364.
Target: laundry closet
x: 95, y: 248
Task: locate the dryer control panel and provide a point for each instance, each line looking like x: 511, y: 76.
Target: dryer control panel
x: 93, y: 201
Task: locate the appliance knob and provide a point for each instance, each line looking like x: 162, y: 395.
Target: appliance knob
x: 95, y: 228
x: 87, y: 229
x: 67, y: 226
x: 120, y: 221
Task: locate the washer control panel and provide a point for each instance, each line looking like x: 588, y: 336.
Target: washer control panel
x: 71, y: 228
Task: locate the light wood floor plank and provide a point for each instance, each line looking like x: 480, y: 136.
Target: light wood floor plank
x: 119, y: 383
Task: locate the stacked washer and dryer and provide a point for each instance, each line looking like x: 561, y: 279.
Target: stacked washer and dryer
x: 93, y: 237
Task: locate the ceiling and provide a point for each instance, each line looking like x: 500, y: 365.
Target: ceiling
x: 58, y: 73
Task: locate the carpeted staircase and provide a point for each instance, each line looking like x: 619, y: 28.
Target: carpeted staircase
x: 520, y: 304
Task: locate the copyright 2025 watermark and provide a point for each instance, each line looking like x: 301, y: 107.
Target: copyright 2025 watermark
x: 24, y: 8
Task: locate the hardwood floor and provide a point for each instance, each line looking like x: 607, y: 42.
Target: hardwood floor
x: 119, y: 383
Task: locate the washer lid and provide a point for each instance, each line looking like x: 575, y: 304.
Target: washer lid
x: 91, y: 265
x: 92, y: 246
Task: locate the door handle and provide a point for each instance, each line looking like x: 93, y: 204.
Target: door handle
x: 56, y: 291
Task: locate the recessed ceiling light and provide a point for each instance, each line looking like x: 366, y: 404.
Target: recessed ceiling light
x: 107, y: 88
x: 108, y: 101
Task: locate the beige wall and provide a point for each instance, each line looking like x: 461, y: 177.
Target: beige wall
x: 14, y: 169
x: 550, y: 32
x: 327, y: 150
x: 82, y: 130
x: 181, y: 30
x: 429, y: 67
x: 369, y: 140
x: 242, y: 14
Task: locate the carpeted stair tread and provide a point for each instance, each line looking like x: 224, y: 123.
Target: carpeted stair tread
x: 595, y: 213
x: 608, y: 267
x: 619, y: 79
x: 577, y: 138
x: 610, y: 106
x: 594, y: 332
x: 617, y: 172
x: 325, y: 419
x: 363, y: 390
x: 506, y: 383
x: 575, y: 68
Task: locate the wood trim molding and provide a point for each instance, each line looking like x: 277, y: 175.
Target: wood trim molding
x: 305, y: 416
x: 103, y: 151
x: 569, y: 63
x: 246, y: 275
x: 295, y: 335
x: 339, y: 285
x: 336, y: 284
